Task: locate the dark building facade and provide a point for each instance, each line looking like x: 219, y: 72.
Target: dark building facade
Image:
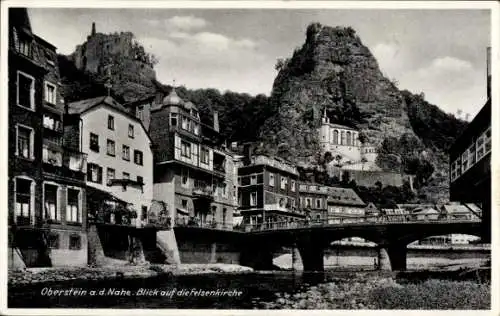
x: 470, y: 164
x: 268, y: 192
x: 47, y: 214
x: 194, y: 173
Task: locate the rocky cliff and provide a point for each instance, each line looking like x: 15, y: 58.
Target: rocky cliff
x: 333, y: 70
x: 118, y: 60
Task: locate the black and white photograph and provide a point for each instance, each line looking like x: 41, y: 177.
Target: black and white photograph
x: 248, y: 156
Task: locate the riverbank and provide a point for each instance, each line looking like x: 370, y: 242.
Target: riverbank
x: 41, y: 275
x: 363, y: 291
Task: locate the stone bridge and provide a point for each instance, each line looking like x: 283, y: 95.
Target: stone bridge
x: 392, y: 239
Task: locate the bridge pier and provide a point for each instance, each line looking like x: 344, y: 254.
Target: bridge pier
x: 312, y: 253
x: 257, y: 256
x: 392, y: 257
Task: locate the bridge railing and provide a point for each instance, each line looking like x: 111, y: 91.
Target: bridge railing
x: 194, y: 222
x: 369, y: 219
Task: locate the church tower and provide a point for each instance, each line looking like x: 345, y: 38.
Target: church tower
x: 92, y: 33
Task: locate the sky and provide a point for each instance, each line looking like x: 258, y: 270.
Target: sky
x: 441, y: 53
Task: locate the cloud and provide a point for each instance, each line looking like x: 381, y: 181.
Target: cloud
x: 389, y: 58
x: 449, y: 82
x: 212, y: 60
x: 188, y: 22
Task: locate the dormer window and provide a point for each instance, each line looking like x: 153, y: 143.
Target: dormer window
x: 23, y: 43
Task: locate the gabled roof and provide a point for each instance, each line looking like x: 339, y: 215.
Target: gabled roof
x: 82, y: 106
x: 344, y: 196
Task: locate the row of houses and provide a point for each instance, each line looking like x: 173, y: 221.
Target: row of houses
x: 149, y: 162
x: 152, y: 161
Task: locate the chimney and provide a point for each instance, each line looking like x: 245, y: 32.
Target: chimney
x: 216, y: 121
x: 247, y: 153
x: 488, y: 72
x: 93, y: 29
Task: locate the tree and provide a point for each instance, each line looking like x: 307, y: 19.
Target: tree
x: 338, y: 158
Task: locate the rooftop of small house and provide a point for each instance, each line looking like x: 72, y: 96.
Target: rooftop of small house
x: 344, y: 196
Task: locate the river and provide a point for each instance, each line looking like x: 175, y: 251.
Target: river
x: 226, y: 291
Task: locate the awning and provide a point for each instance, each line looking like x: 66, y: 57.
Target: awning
x: 182, y: 212
x: 95, y: 195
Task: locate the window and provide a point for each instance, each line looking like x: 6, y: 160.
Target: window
x: 487, y: 140
x: 196, y: 128
x: 480, y: 147
x: 173, y: 119
x: 73, y: 212
x: 50, y: 207
x: 126, y: 153
x: 75, y: 242
x: 308, y: 202
x: 224, y: 214
x: 22, y: 43
x: 111, y: 122
x: 25, y: 91
x: 184, y: 178
x: 253, y: 198
x: 224, y: 189
x: 271, y: 179
x: 53, y: 241
x: 318, y: 203
x: 94, y: 173
x: 186, y: 123
x: 342, y: 138
x: 50, y: 93
x: 126, y: 176
x: 144, y: 209
x: 139, y: 112
x: 465, y: 161
x: 284, y: 182
x: 25, y: 141
x: 184, y: 204
x: 131, y: 131
x: 204, y: 155
x: 185, y: 149
x: 140, y: 179
x: 335, y: 137
x: 24, y: 198
x: 292, y: 185
x: 51, y: 156
x: 138, y: 157
x: 111, y: 147
x: 110, y: 175
x: 253, y: 179
x: 51, y: 123
x: 94, y: 142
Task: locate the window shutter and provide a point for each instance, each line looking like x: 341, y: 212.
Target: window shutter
x: 99, y: 175
x: 89, y: 172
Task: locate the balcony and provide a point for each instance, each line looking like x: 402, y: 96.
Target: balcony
x: 52, y: 124
x: 64, y: 162
x: 272, y: 162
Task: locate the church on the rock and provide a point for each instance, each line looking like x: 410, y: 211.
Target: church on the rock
x: 343, y: 142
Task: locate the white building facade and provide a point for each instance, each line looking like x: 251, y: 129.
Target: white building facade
x: 120, y: 159
x: 344, y: 141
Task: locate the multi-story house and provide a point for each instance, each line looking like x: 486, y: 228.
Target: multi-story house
x: 194, y: 173
x: 332, y: 204
x: 47, y: 213
x: 470, y: 163
x: 119, y: 158
x: 268, y: 192
x: 344, y: 206
x: 313, y: 200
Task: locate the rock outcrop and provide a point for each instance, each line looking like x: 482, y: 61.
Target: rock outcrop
x: 333, y: 70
